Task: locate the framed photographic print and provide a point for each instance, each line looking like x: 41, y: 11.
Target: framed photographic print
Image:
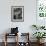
x: 17, y: 13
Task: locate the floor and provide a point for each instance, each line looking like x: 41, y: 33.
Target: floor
x: 13, y: 44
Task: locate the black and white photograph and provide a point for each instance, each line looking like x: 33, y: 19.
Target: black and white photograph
x: 17, y: 13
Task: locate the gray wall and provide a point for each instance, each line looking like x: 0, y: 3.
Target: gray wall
x: 29, y: 15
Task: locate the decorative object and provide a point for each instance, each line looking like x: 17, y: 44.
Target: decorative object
x: 14, y: 30
x: 17, y: 13
x: 39, y: 35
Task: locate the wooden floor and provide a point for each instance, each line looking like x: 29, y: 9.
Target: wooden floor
x: 13, y: 44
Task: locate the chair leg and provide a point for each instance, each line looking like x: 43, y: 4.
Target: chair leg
x: 5, y: 40
x: 5, y: 43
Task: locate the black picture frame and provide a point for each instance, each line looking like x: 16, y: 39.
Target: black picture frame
x: 17, y: 13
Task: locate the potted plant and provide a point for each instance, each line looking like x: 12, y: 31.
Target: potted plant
x: 39, y: 35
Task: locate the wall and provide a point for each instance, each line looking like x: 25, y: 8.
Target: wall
x: 29, y: 15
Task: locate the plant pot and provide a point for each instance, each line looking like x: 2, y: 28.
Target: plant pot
x: 40, y: 41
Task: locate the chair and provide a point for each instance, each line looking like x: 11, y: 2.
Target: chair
x: 25, y: 37
x: 7, y: 35
x: 14, y: 32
